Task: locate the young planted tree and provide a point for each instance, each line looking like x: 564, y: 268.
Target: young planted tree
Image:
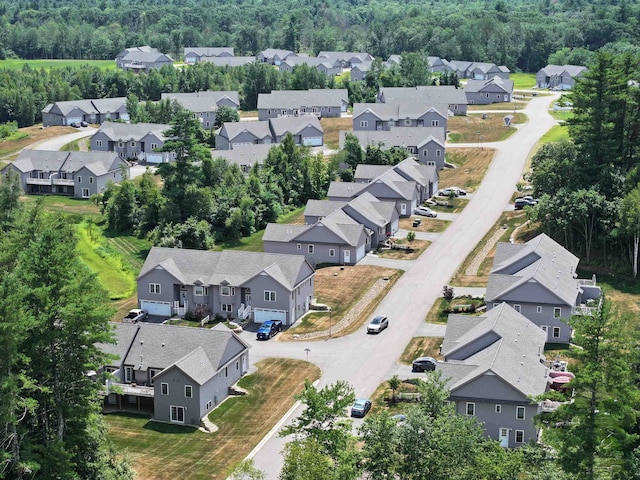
x: 394, y: 384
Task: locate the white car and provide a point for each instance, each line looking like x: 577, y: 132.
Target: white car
x: 425, y: 212
x: 455, y: 191
x: 378, y: 324
x: 135, y: 315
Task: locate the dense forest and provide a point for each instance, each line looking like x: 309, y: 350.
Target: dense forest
x: 519, y: 34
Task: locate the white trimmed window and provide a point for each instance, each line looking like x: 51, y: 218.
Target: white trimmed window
x: 209, y: 405
x: 79, y: 179
x: 85, y: 193
x: 517, y: 308
x: 152, y: 373
x: 471, y: 408
x: 364, y: 123
x: 438, y: 153
x: 90, y: 179
x: 154, y: 288
x: 164, y: 388
x: 556, y: 332
x: 228, y: 291
x: 310, y: 248
x: 407, y: 122
x: 431, y: 163
x: 539, y: 309
x: 201, y: 291
x: 299, y: 246
x: 519, y: 436
x: 269, y: 296
x: 332, y: 252
x: 435, y: 123
x: 188, y: 391
x: 498, y: 408
x: 227, y: 307
x: 425, y: 153
x: 128, y: 374
x: 557, y: 312
x: 98, y: 143
x: 120, y: 144
x: 154, y: 146
x: 177, y: 414
x: 520, y: 413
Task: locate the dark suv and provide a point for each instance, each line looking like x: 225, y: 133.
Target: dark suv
x: 268, y: 329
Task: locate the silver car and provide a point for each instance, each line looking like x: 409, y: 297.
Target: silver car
x: 378, y: 324
x: 425, y: 212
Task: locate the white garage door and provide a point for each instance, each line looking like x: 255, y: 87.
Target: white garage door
x: 312, y: 141
x: 153, y: 157
x: 71, y: 120
x: 156, y: 308
x: 263, y: 314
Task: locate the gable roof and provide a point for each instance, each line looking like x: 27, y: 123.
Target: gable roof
x: 98, y: 163
x: 244, y: 154
x: 345, y: 189
x: 572, y: 70
x: 144, y: 54
x: 398, y: 111
x: 208, y: 51
x: 322, y: 208
x: 424, y: 94
x: 205, y: 101
x: 330, y: 97
x: 283, y: 125
x: 314, y: 62
x: 397, y: 137
x: 132, y: 131
x: 88, y: 106
x: 346, y: 56
x: 378, y: 212
x: 273, y: 52
x: 258, y: 128
x: 473, y: 86
x: 234, y: 267
x: 228, y: 61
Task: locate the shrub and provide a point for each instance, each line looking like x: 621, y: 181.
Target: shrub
x: 447, y: 293
x: 411, y: 236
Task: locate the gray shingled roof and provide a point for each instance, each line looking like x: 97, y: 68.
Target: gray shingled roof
x: 123, y: 334
x: 322, y: 208
x: 234, y: 267
x: 259, y: 128
x: 315, y: 97
x: 345, y: 56
x: 283, y: 125
x: 397, y: 137
x: 132, y: 131
x: 369, y: 172
x: 208, y: 51
x: 310, y: 61
x: 425, y: 94
x: 88, y: 106
x: 244, y: 154
x: 272, y: 52
x: 396, y: 112
x: 228, y: 61
x: 572, y: 70
x: 281, y: 232
x: 414, y: 170
x: 205, y: 101
x: 474, y: 86
x: 376, y: 211
x: 98, y: 163
x: 345, y: 189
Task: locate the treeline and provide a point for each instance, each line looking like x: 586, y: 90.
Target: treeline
x: 204, y: 201
x: 518, y: 34
x: 590, y: 187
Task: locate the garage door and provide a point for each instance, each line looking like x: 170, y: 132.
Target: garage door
x: 71, y: 120
x: 153, y: 157
x: 312, y: 141
x: 263, y: 314
x: 156, y: 308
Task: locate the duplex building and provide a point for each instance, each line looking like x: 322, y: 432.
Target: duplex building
x: 484, y: 92
x: 426, y: 95
x: 274, y: 56
x: 559, y: 77
x: 385, y: 116
x: 177, y: 374
x: 294, y: 103
x: 204, y: 105
x: 78, y: 174
x: 346, y: 59
x: 197, y: 54
x: 476, y: 70
x: 323, y: 65
x: 137, y: 141
x: 228, y: 61
x: 245, y: 156
x: 95, y: 110
x: 305, y: 131
x: 142, y: 59
x: 234, y: 284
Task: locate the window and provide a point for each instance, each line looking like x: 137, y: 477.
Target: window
x: 154, y: 288
x: 432, y: 163
x: 435, y: 123
x: 487, y: 95
x: 517, y: 308
x: 79, y: 179
x: 188, y: 391
x: 209, y: 405
x: 299, y: 246
x: 498, y: 408
x: 519, y: 436
x: 332, y: 252
x: 438, y: 153
x: 228, y: 291
x: 520, y: 413
x: 557, y: 312
x: 471, y: 408
x: 391, y: 123
x: 227, y: 307
x: 90, y: 179
x: 152, y: 373
x: 177, y: 414
x: 154, y: 146
x: 85, y: 193
x: 164, y: 388
x: 545, y: 328
x: 98, y: 143
x: 364, y: 123
x: 120, y: 144
x: 201, y: 291
x: 539, y: 309
x: 133, y: 144
x: 128, y: 374
x: 310, y: 248
x: 284, y: 112
x: 269, y: 296
x: 556, y: 332
x: 208, y: 123
x: 407, y: 122
x: 425, y: 153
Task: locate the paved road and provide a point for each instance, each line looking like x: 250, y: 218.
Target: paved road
x: 58, y: 142
x: 365, y: 361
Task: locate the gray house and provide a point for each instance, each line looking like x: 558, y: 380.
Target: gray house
x: 293, y: 103
x: 359, y: 71
x: 539, y: 280
x: 178, y: 374
x: 476, y: 70
x: 136, y: 141
x: 436, y: 64
x: 426, y: 95
x: 426, y: 144
x: 228, y: 61
x: 346, y: 59
x: 484, y: 92
x: 494, y: 364
x: 142, y: 59
x: 204, y: 105
x: 336, y: 238
x: 274, y: 56
x: 385, y: 116
x: 232, y: 134
x: 559, y: 77
x: 196, y: 54
x: 91, y: 111
x: 305, y: 130
x: 323, y: 65
x: 79, y: 174
x: 245, y: 156
x: 234, y: 284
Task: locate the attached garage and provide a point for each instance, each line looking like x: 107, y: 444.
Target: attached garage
x: 312, y: 141
x: 161, y: 309
x: 154, y: 158
x: 71, y: 120
x: 263, y: 314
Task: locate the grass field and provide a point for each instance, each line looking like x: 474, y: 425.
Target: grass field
x: 62, y: 204
x: 471, y: 167
x: 475, y: 129
x: 332, y: 127
x: 557, y: 133
x: 15, y: 64
x: 253, y: 243
x: 523, y: 80
x: 421, y: 347
x: 428, y: 224
x: 163, y: 451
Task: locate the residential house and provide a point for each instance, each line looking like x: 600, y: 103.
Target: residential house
x: 385, y: 116
x: 142, y: 59
x: 336, y: 238
x: 426, y: 95
x: 196, y: 54
x: 234, y: 284
x: 136, y: 141
x: 205, y: 104
x: 424, y: 176
x: 322, y: 103
x: 393, y: 61
x: 494, y: 366
x: 427, y: 144
x: 95, y: 110
x: 559, y: 77
x: 305, y: 130
x: 245, y: 156
x: 323, y: 65
x: 485, y: 92
x: 346, y: 59
x: 78, y: 174
x: 178, y: 374
x: 459, y: 67
x: 476, y: 70
x: 274, y: 56
x: 539, y: 280
x: 359, y: 71
x: 437, y: 65
x: 379, y: 217
x: 228, y: 61
x: 232, y: 134
x: 390, y: 186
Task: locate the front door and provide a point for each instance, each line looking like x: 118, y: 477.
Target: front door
x: 247, y: 299
x: 347, y: 256
x: 183, y: 298
x: 403, y: 209
x: 503, y: 438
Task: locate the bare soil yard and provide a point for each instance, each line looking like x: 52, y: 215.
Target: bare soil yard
x: 35, y: 134
x: 332, y: 127
x: 475, y: 129
x: 472, y: 165
x: 428, y: 224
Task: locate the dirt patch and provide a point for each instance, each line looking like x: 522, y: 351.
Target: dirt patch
x: 36, y: 133
x: 472, y: 165
x: 428, y: 224
x: 421, y: 347
x: 416, y: 246
x: 332, y: 127
x: 475, y: 129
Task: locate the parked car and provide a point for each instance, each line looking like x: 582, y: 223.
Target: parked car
x: 75, y: 124
x: 425, y: 212
x: 378, y: 324
x: 521, y: 202
x: 423, y: 364
x: 449, y: 191
x: 135, y: 315
x: 269, y: 329
x: 360, y: 408
x: 84, y: 124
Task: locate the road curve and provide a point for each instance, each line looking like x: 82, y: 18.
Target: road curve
x: 365, y: 361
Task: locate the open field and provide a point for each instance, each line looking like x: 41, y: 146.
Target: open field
x: 475, y: 129
x: 472, y: 165
x: 523, y: 80
x: 165, y: 451
x: 35, y: 133
x: 332, y: 127
x: 18, y: 64
x: 63, y: 204
x: 557, y: 133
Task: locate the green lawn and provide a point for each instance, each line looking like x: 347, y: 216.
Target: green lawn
x: 557, y: 133
x: 254, y: 243
x: 523, y: 80
x: 14, y: 64
x: 63, y: 204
